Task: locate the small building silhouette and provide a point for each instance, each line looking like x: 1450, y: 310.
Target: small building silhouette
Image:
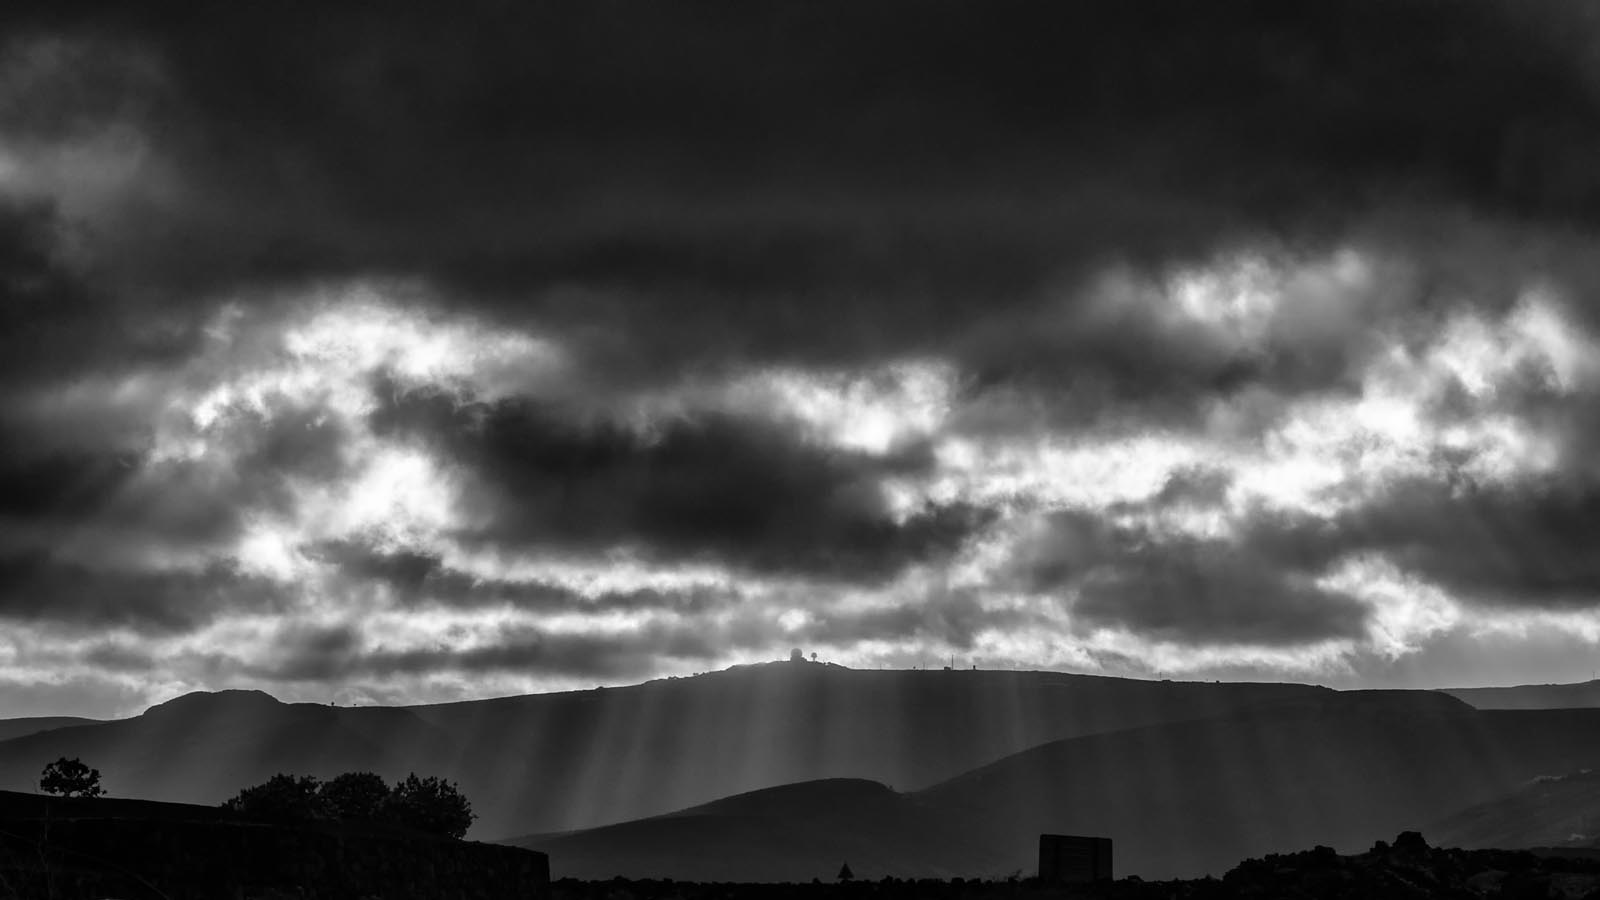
x: 1070, y: 859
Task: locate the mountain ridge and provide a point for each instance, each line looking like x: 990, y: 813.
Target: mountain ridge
x: 586, y: 758
x: 1180, y: 799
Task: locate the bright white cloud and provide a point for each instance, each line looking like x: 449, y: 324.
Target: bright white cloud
x: 1316, y: 454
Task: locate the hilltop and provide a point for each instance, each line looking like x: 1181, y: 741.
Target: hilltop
x: 1181, y: 799
x: 563, y: 761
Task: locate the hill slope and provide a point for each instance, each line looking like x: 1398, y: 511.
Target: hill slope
x: 594, y: 757
x: 554, y: 762
x: 1556, y: 811
x: 12, y: 728
x: 202, y: 748
x: 1189, y: 798
x: 1179, y: 799
x: 1582, y: 695
x: 791, y: 833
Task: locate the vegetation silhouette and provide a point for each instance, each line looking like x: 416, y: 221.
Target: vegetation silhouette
x: 70, y: 778
x: 356, y: 795
x: 281, y: 798
x: 430, y: 805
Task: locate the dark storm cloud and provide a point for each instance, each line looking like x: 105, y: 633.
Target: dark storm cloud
x: 36, y: 588
x: 305, y: 653
x: 46, y: 308
x: 61, y: 483
x: 744, y: 491
x: 1181, y: 588
x: 834, y: 181
x: 1525, y: 545
x: 1202, y: 592
x: 110, y: 537
x: 1198, y: 486
x: 50, y: 490
x: 109, y: 656
x: 666, y: 193
x: 421, y: 579
x: 319, y: 654
x: 950, y: 619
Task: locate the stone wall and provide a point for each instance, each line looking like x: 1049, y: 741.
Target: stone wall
x: 135, y: 859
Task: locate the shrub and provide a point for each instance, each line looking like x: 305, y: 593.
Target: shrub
x: 70, y: 778
x: 431, y: 805
x: 356, y: 795
x: 281, y: 798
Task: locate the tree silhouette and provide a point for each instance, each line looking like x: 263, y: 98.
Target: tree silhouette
x: 356, y: 795
x: 844, y: 872
x: 431, y: 805
x: 70, y: 778
x: 281, y: 798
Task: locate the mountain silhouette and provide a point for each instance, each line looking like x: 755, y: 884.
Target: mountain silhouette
x: 1581, y: 695
x: 204, y: 747
x: 1180, y: 798
x: 13, y: 728
x: 594, y: 757
x: 1549, y: 811
x: 794, y: 832
x: 1186, y: 777
x: 563, y: 761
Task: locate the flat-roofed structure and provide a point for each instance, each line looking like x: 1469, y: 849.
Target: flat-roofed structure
x: 1070, y: 858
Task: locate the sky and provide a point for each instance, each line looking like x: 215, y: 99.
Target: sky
x: 451, y: 351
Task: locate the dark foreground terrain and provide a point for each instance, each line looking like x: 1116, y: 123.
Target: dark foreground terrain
x: 53, y: 849
x: 1407, y: 868
x: 90, y: 849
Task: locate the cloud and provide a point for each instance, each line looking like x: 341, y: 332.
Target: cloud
x: 746, y: 492
x: 620, y: 189
x: 338, y: 654
x: 1517, y: 546
x: 36, y: 588
x: 1180, y: 589
x: 412, y: 356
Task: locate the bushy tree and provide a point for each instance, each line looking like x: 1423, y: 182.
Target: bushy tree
x: 356, y: 795
x: 431, y: 805
x: 281, y: 798
x: 70, y: 778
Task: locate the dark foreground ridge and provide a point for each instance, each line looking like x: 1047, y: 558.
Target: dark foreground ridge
x: 1407, y: 869
x: 77, y: 849
x: 134, y: 850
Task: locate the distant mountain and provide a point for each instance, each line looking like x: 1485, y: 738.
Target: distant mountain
x: 555, y: 762
x: 202, y: 748
x: 1180, y: 799
x: 1582, y: 695
x: 1549, y: 811
x: 792, y: 833
x: 12, y: 728
x: 593, y: 757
